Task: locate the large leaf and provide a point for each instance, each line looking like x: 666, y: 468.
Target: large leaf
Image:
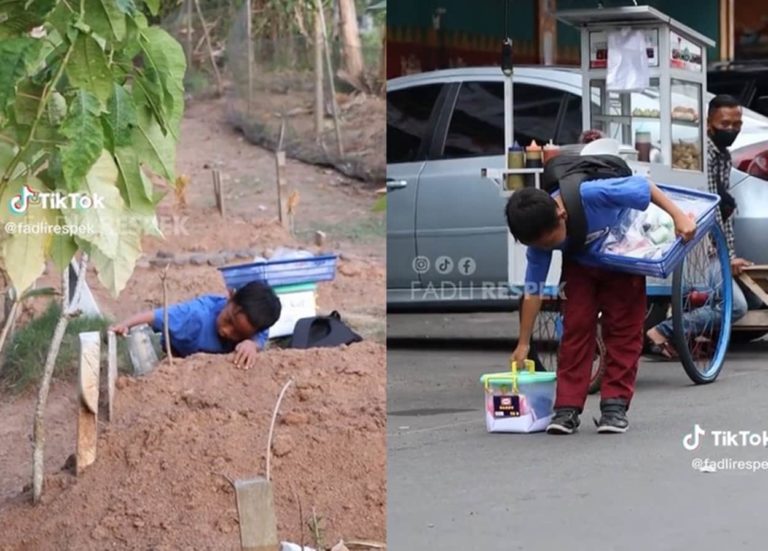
x: 101, y: 184
x: 149, y: 91
x: 18, y: 17
x: 63, y: 248
x: 28, y: 96
x: 105, y: 18
x: 165, y: 56
x: 156, y: 149
x: 138, y: 188
x: 61, y: 18
x: 88, y: 69
x: 115, y: 272
x: 86, y: 138
x: 16, y: 55
x: 120, y: 118
x: 128, y: 7
x: 153, y: 5
x: 24, y: 249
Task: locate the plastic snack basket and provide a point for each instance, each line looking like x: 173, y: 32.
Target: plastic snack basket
x: 519, y: 401
x: 277, y: 273
x: 701, y: 203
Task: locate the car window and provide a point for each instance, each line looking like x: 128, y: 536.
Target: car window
x: 536, y: 109
x: 408, y: 113
x: 477, y: 122
x: 570, y: 127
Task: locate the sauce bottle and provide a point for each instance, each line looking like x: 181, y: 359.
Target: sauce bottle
x: 515, y: 159
x: 550, y: 150
x: 532, y: 160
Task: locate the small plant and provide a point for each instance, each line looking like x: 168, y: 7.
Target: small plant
x: 317, y: 530
x: 22, y: 364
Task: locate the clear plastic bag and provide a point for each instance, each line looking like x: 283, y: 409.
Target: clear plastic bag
x: 649, y: 234
x: 627, y: 61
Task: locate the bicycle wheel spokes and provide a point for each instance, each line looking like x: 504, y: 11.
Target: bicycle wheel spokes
x: 546, y: 339
x: 702, y: 301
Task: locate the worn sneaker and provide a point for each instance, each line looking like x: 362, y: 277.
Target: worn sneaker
x: 565, y: 421
x: 613, y: 416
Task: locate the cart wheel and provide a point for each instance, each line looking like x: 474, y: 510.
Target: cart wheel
x: 598, y: 365
x: 545, y: 342
x: 701, y: 285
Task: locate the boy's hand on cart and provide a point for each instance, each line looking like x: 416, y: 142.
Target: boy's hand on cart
x: 738, y: 265
x: 520, y: 354
x: 685, y: 227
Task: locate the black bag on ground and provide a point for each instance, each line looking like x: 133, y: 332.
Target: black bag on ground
x: 323, y: 331
x: 567, y: 172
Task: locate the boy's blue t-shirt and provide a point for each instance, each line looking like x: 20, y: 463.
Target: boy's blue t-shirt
x: 605, y: 203
x: 192, y: 327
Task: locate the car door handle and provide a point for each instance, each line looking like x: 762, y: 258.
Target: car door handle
x: 396, y: 184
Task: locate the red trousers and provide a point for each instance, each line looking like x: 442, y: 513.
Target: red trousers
x: 620, y: 297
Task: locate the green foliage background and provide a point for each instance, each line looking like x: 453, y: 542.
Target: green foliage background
x: 91, y: 96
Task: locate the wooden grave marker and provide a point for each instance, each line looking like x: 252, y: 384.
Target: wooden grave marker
x: 87, y: 419
x: 255, y: 507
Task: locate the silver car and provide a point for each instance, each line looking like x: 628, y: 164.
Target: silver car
x: 446, y: 232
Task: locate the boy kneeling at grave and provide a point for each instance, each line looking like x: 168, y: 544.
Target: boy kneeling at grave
x: 538, y: 220
x: 216, y: 324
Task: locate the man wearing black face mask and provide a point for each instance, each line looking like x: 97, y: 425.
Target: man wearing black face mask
x: 723, y: 125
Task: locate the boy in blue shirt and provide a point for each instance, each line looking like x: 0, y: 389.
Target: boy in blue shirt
x: 538, y: 220
x: 216, y: 324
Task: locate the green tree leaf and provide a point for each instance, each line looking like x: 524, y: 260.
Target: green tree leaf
x: 24, y: 252
x: 114, y: 272
x: 153, y: 5
x: 156, y: 149
x: 88, y: 69
x: 86, y: 138
x: 61, y: 18
x: 137, y: 187
x: 105, y: 18
x: 16, y: 55
x: 63, y: 249
x: 101, y: 184
x: 164, y: 55
x: 120, y: 118
x: 17, y: 17
x: 128, y: 7
x: 28, y: 95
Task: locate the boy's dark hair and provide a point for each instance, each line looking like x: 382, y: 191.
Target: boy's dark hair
x: 722, y: 100
x: 260, y: 304
x: 531, y: 212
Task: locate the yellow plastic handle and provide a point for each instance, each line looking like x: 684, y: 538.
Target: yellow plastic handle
x: 530, y: 365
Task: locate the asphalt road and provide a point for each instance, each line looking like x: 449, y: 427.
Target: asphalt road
x: 453, y: 486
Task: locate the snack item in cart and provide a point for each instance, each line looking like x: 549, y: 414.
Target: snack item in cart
x: 686, y: 156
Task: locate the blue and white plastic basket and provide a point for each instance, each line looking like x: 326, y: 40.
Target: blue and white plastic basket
x: 664, y: 266
x: 277, y: 273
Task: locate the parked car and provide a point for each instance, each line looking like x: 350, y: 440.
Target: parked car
x: 746, y: 81
x: 446, y: 233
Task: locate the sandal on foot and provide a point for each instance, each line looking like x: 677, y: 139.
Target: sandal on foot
x: 664, y: 350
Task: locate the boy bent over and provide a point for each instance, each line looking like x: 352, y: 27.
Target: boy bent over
x: 538, y: 220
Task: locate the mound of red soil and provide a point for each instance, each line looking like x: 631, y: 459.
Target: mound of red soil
x: 160, y: 478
